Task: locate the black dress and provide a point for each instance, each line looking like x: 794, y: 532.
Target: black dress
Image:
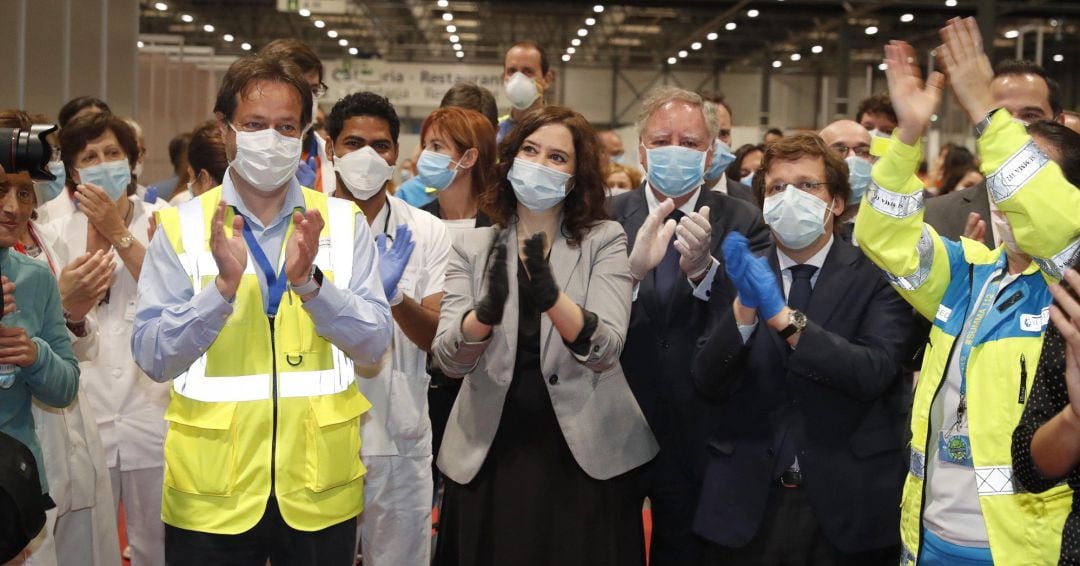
x: 530, y: 503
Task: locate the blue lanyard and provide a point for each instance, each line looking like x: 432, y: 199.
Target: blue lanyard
x: 969, y: 337
x: 275, y: 282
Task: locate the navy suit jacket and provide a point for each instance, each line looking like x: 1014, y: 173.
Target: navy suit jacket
x: 663, y: 330
x: 838, y: 393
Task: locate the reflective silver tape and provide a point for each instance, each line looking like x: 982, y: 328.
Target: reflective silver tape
x: 994, y: 480
x: 918, y: 464
x: 893, y: 204
x: 911, y: 282
x: 1056, y: 266
x: 1015, y: 172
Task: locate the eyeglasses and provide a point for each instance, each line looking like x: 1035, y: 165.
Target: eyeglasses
x: 319, y: 91
x: 843, y: 150
x: 807, y: 186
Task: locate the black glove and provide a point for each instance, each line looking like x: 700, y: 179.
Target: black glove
x: 542, y: 286
x: 489, y: 310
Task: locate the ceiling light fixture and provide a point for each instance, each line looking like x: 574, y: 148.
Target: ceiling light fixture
x: 907, y: 18
x: 451, y: 28
x: 695, y: 45
x: 448, y: 17
x: 683, y: 53
x: 730, y: 26
x: 228, y: 37
x: 443, y: 3
x: 566, y: 58
x: 575, y: 42
x: 140, y: 44
x: 570, y: 50
x: 161, y: 6
x: 752, y: 13
x: 320, y: 24
x: 871, y: 30
x: 582, y: 32
x: 712, y: 36
x: 460, y: 54
x: 343, y: 42
x: 187, y: 18
x: 1012, y: 34
x: 590, y: 21
x: 331, y: 34
x: 817, y: 49
x: 305, y: 12
x: 950, y: 3
x: 455, y: 39
x: 245, y: 46
x: 1059, y: 58
x: 796, y: 56
x: 208, y: 28
x: 598, y: 8
x: 777, y: 64
x: 672, y: 60
x: 354, y: 51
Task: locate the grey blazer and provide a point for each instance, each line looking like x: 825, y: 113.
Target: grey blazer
x: 598, y: 415
x: 948, y: 213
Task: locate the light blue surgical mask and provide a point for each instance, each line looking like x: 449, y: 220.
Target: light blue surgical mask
x: 721, y: 158
x: 748, y: 180
x: 112, y: 176
x: 796, y: 217
x: 858, y: 177
x: 48, y: 190
x: 673, y: 170
x: 536, y: 186
x: 433, y: 169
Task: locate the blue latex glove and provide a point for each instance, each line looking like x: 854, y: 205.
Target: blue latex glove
x: 392, y: 261
x: 766, y: 288
x: 305, y: 174
x: 737, y: 258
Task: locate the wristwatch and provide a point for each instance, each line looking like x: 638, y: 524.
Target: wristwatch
x: 126, y: 241
x: 796, y: 323
x: 985, y: 122
x: 313, y: 283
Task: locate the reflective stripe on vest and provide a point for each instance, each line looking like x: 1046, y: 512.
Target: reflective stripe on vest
x: 335, y: 254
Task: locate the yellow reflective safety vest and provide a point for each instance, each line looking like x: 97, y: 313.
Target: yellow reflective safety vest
x: 271, y: 407
x: 941, y: 279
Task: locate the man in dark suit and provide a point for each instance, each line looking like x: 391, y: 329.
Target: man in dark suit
x: 715, y: 178
x: 1029, y: 94
x: 673, y: 280
x: 807, y: 455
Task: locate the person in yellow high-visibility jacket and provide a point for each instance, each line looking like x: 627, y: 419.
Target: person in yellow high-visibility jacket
x: 988, y: 309
x: 255, y: 298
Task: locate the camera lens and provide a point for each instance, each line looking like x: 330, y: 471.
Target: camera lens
x: 27, y: 150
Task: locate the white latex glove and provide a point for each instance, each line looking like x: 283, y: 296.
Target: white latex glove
x: 651, y: 242
x: 693, y: 237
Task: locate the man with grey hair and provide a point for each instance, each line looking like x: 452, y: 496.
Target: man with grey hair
x: 676, y: 228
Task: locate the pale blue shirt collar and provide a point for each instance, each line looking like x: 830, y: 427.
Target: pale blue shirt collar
x: 294, y: 198
x: 686, y: 208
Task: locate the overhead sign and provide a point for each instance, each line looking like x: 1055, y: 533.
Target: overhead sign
x: 315, y: 6
x: 407, y: 84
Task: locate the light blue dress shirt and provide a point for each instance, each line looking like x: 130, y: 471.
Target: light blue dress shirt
x: 174, y: 326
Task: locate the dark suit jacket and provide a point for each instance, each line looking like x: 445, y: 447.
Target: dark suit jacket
x: 837, y: 393
x: 948, y: 213
x: 741, y: 191
x: 663, y: 330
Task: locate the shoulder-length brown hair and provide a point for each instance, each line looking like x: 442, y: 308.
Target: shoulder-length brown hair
x: 584, y: 204
x: 466, y: 129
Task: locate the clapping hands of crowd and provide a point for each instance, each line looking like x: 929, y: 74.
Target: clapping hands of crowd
x: 967, y: 67
x: 84, y: 282
x: 489, y: 309
x: 541, y: 285
x: 230, y: 252
x: 16, y: 347
x: 693, y: 238
x: 392, y: 260
x: 752, y: 277
x: 913, y: 101
x: 106, y: 225
x: 651, y: 241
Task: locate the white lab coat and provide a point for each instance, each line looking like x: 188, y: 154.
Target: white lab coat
x: 74, y: 459
x: 395, y: 527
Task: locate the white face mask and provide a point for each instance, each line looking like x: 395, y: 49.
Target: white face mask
x: 137, y: 172
x: 1005, y: 231
x: 266, y: 159
x: 521, y: 91
x: 363, y: 172
x: 796, y: 217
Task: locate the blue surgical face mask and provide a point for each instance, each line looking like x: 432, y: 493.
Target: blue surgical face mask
x: 796, y: 217
x: 748, y: 180
x: 537, y: 187
x: 48, y: 190
x: 721, y: 158
x: 674, y: 170
x: 858, y: 177
x: 112, y: 176
x: 433, y: 169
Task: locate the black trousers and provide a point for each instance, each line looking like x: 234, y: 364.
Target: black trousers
x: 270, y: 539
x: 790, y: 536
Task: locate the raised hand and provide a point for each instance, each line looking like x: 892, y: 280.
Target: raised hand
x: 489, y: 310
x: 542, y: 286
x: 1065, y: 313
x: 693, y: 241
x: 651, y: 241
x: 967, y: 67
x: 84, y: 281
x: 913, y: 101
x: 102, y: 212
x: 975, y: 227
x: 303, y: 246
x: 737, y: 259
x: 230, y: 252
x: 392, y: 261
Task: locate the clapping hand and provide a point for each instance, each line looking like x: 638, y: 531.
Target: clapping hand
x: 542, y: 286
x: 489, y: 310
x: 737, y: 259
x: 693, y: 238
x: 101, y: 211
x: 84, y: 282
x: 392, y: 261
x: 230, y: 252
x: 303, y: 246
x: 651, y: 241
x: 913, y: 101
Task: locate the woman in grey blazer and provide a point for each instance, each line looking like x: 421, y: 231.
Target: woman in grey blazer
x: 543, y: 444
